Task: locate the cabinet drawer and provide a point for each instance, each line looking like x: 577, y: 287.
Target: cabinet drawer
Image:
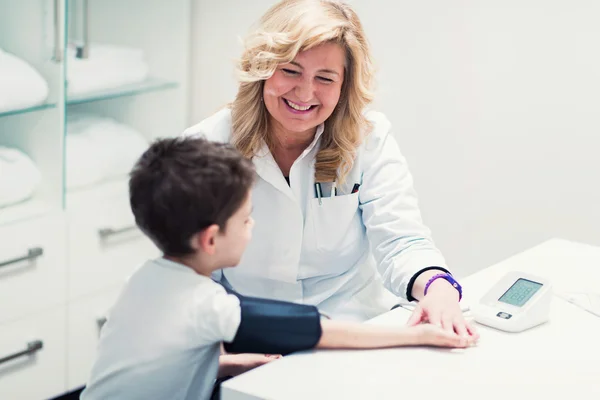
x: 32, y: 266
x: 86, y: 318
x: 104, y: 244
x: 33, y: 356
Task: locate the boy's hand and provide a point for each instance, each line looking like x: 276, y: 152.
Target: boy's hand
x: 236, y: 364
x: 247, y: 361
x: 432, y: 335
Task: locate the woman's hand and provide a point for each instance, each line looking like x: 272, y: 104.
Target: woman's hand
x: 236, y: 364
x: 431, y: 335
x: 440, y: 307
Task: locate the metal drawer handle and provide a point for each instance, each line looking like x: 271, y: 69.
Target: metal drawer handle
x: 84, y: 51
x: 32, y: 254
x: 105, y: 233
x: 32, y: 347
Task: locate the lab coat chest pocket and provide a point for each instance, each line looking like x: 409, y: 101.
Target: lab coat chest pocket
x: 331, y: 222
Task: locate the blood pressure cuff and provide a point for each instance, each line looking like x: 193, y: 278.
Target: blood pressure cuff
x: 275, y: 327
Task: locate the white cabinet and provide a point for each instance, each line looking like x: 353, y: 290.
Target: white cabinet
x: 105, y: 245
x: 33, y: 266
x: 86, y: 317
x: 33, y: 356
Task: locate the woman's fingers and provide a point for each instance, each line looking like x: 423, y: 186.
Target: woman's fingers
x: 445, y: 338
x: 416, y: 317
x: 435, y: 317
x: 459, y: 326
x: 447, y: 323
x: 472, y: 331
x: 440, y: 337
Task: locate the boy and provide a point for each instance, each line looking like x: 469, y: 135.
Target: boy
x: 192, y: 198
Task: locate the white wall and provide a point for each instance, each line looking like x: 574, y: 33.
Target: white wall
x: 496, y: 106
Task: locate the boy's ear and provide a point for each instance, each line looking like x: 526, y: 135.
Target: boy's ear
x: 205, y: 240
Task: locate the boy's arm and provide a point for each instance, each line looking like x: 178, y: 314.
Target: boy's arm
x: 349, y: 335
x: 269, y: 326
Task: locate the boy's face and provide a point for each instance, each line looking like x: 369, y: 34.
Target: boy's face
x: 232, y: 243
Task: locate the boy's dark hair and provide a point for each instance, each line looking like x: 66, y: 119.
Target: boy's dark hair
x: 182, y: 185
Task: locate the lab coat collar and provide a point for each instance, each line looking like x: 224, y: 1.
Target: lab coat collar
x: 318, y: 134
x: 267, y: 168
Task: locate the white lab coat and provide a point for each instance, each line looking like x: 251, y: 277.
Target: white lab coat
x: 319, y: 254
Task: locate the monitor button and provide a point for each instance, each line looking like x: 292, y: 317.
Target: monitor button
x: 504, y: 315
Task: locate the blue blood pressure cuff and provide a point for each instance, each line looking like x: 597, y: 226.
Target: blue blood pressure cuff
x: 275, y: 327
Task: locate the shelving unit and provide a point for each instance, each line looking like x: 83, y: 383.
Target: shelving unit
x: 84, y: 239
x: 134, y: 89
x: 35, y: 130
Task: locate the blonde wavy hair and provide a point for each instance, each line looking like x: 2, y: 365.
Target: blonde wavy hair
x: 287, y: 28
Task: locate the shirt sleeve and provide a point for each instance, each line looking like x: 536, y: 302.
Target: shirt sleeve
x: 218, y: 314
x: 401, y: 243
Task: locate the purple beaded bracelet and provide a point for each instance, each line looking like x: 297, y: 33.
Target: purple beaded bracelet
x: 447, y: 277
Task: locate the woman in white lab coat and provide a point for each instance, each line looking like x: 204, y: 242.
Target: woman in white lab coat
x: 337, y: 220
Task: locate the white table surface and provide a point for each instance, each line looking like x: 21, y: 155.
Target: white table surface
x: 560, y: 358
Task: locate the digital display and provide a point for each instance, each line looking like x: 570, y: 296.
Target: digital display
x: 520, y: 292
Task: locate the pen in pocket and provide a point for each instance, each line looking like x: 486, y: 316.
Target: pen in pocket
x: 355, y: 187
x: 318, y: 192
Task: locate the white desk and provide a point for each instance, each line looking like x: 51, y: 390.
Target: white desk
x: 557, y: 360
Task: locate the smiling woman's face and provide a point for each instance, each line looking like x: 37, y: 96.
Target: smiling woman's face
x: 303, y: 94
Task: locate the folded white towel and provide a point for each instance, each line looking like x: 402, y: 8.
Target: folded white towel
x: 19, y: 176
x: 99, y: 149
x: 21, y: 85
x: 107, y: 67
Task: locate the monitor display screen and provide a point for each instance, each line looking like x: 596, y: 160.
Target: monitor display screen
x: 520, y: 292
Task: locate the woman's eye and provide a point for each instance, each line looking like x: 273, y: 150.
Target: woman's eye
x: 289, y: 71
x: 323, y: 79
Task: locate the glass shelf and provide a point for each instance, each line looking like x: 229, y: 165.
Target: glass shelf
x: 39, y: 107
x: 149, y: 85
x: 22, y: 211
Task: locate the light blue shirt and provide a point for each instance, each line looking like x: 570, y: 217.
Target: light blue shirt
x: 162, y: 337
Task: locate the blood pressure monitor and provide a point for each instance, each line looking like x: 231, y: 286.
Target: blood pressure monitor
x: 517, y: 302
